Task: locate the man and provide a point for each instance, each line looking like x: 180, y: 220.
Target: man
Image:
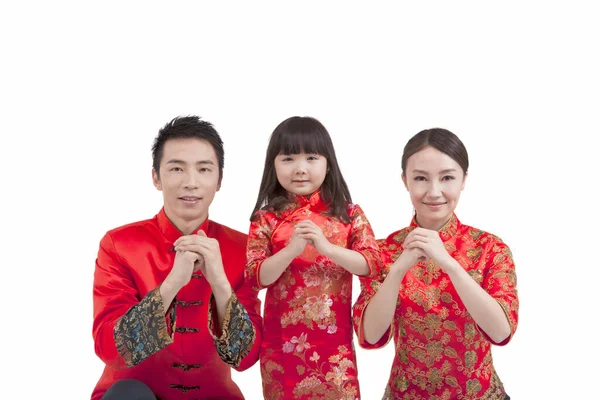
x: 171, y: 310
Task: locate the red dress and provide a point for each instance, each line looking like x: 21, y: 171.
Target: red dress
x: 307, y: 350
x: 178, y: 356
x: 441, y: 353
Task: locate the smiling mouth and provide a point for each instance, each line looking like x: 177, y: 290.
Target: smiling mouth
x: 434, y: 204
x: 189, y: 198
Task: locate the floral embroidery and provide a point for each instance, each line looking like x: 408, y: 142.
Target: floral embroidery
x: 337, y: 383
x: 440, y: 351
x: 307, y: 351
x: 143, y: 331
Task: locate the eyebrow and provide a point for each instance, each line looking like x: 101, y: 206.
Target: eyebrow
x: 444, y: 171
x: 175, y: 161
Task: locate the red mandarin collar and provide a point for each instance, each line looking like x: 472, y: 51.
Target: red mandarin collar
x: 171, y: 232
x: 314, y: 201
x: 446, y: 232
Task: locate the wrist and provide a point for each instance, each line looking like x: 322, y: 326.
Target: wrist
x: 399, y: 268
x: 222, y: 289
x: 451, y: 267
x: 328, y: 249
x: 168, y: 288
x: 291, y: 252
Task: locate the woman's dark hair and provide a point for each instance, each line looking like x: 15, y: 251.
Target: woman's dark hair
x: 298, y: 135
x: 440, y: 139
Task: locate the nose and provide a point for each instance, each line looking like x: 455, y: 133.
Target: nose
x: 300, y: 168
x: 191, y: 181
x: 434, y: 189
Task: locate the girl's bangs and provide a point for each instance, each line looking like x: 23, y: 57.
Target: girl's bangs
x: 296, y: 142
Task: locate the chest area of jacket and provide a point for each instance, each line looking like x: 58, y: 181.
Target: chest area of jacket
x: 427, y: 286
x: 149, y: 264
x: 334, y: 230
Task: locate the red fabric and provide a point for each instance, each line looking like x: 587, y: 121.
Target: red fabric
x: 440, y: 351
x: 307, y: 346
x: 133, y: 260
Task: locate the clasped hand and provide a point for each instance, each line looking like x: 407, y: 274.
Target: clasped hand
x: 426, y: 243
x: 307, y: 232
x: 197, y: 252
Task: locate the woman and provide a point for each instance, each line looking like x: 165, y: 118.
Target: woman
x: 447, y: 291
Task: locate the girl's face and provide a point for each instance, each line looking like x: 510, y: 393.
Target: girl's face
x: 301, y: 174
x: 434, y: 181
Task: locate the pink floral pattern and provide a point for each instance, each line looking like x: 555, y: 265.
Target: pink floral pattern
x: 307, y: 350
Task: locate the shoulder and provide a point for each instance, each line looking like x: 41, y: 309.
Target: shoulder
x: 480, y: 237
x: 133, y: 230
x: 397, y: 237
x: 393, y: 242
x: 354, y: 210
x: 225, y: 233
x: 494, y: 248
x: 266, y: 217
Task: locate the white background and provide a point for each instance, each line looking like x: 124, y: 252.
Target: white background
x: 84, y: 88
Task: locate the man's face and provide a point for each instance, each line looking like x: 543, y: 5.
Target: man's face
x: 189, y: 179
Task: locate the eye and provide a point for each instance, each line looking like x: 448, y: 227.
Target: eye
x: 312, y: 157
x: 204, y: 169
x: 285, y: 159
x: 419, y: 178
x: 448, y: 178
x: 176, y: 169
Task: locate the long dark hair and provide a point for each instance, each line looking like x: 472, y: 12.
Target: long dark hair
x: 298, y: 135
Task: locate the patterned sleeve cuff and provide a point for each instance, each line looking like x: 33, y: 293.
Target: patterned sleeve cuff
x: 511, y: 323
x: 143, y: 330
x: 237, y: 332
x: 373, y: 262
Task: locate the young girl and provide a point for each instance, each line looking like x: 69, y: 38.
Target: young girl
x: 306, y: 241
x: 447, y: 292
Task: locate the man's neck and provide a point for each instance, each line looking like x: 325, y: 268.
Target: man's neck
x: 187, y: 227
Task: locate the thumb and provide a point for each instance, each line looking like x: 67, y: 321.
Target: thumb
x: 201, y: 233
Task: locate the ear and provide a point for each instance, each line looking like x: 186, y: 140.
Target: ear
x: 156, y: 180
x: 219, y: 184
x: 404, y: 181
x: 464, y: 181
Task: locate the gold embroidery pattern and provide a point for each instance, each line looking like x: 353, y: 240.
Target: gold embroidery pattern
x: 142, y: 331
x: 237, y: 332
x: 440, y: 352
x: 307, y: 350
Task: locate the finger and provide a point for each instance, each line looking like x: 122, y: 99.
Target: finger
x: 192, y: 249
x: 416, y: 244
x: 180, y: 239
x: 302, y: 231
x: 201, y: 246
x: 418, y: 233
x: 199, y: 265
x: 192, y: 239
x: 190, y: 255
x: 201, y: 233
x: 310, y: 237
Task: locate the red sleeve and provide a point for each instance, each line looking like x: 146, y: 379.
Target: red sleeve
x: 126, y: 329
x: 363, y: 240
x: 258, y: 248
x: 500, y: 281
x: 368, y: 288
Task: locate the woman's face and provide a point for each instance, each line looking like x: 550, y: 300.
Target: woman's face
x: 434, y: 181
